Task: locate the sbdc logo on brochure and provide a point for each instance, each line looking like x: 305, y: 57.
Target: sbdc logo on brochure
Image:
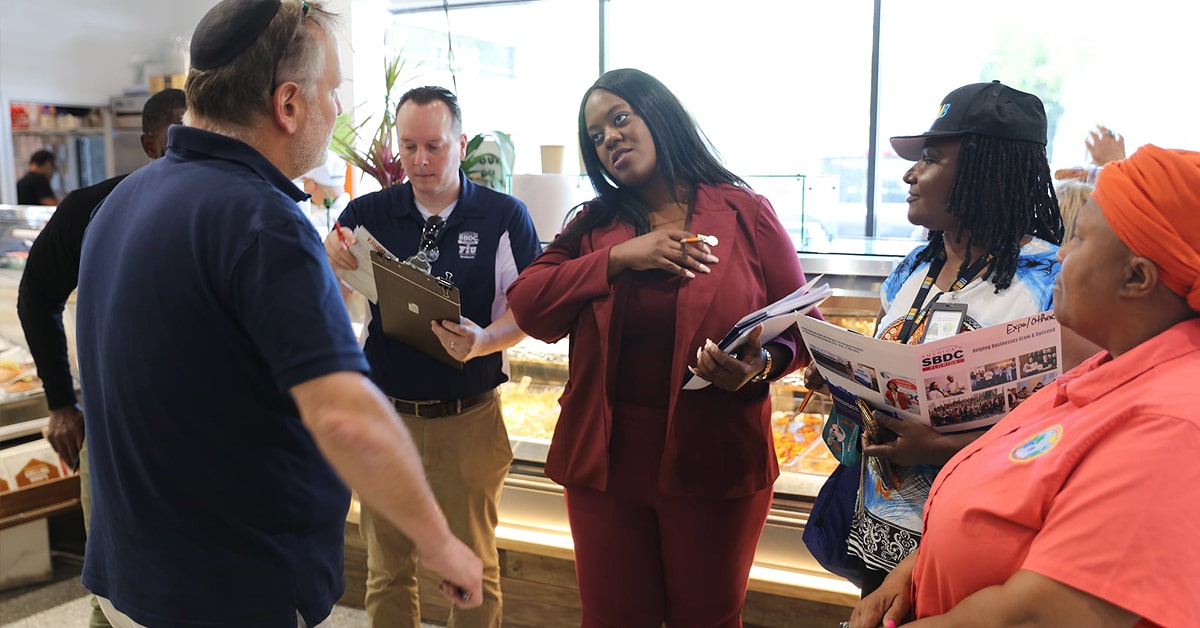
x: 945, y: 356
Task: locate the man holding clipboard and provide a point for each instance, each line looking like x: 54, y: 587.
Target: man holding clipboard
x: 481, y: 239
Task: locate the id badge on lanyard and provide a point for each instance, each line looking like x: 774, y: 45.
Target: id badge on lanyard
x: 950, y: 312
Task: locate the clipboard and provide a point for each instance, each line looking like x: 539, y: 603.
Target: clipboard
x: 409, y: 299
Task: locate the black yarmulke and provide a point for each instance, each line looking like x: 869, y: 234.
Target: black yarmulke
x: 228, y: 29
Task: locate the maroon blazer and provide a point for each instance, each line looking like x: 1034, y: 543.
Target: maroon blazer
x: 719, y: 443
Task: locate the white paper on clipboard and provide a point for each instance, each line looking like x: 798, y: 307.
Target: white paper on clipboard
x: 362, y: 278
x: 775, y: 319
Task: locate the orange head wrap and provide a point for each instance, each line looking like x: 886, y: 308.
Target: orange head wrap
x: 1152, y: 202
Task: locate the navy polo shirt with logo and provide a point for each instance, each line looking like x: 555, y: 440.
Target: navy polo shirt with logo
x: 204, y: 296
x: 486, y: 232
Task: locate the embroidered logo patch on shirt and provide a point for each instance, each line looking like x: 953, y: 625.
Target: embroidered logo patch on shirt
x: 468, y: 244
x: 1037, y: 445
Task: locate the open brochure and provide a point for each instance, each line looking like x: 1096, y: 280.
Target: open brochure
x: 362, y: 278
x: 775, y: 319
x: 959, y: 383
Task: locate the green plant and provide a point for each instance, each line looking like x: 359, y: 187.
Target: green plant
x: 486, y: 167
x: 381, y: 160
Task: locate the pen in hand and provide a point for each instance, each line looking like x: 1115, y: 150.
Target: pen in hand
x: 710, y: 240
x: 337, y: 226
x: 808, y: 395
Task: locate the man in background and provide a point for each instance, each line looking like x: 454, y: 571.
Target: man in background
x: 51, y: 275
x: 482, y: 239
x: 325, y: 185
x: 34, y: 188
x: 226, y: 399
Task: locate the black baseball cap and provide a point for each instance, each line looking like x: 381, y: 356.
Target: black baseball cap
x: 228, y: 29
x: 992, y: 109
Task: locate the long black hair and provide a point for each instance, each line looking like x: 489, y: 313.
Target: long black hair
x: 1002, y: 192
x: 684, y: 153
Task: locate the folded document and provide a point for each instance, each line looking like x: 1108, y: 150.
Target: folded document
x: 775, y: 319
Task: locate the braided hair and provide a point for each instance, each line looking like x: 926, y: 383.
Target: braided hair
x: 1002, y: 191
x: 683, y: 152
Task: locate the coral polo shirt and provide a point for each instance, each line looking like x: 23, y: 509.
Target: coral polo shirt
x: 1091, y: 482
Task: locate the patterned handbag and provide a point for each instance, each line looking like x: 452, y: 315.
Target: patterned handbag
x: 833, y: 510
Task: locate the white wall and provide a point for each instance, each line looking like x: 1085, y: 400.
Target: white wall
x: 81, y: 52
x: 77, y: 51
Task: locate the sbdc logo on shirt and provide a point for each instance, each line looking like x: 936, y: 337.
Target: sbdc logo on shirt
x: 468, y: 244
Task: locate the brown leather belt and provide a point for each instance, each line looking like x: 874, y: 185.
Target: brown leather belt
x: 436, y: 409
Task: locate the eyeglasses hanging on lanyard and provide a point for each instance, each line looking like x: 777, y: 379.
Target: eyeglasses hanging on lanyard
x: 428, y: 251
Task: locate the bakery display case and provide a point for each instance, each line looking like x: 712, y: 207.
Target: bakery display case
x: 34, y: 483
x: 21, y: 398
x: 538, y: 372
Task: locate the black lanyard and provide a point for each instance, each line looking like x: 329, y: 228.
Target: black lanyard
x: 935, y: 267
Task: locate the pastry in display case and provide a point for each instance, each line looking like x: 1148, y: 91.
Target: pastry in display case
x: 529, y: 400
x: 530, y: 410
x: 19, y: 226
x: 539, y: 372
x: 796, y: 427
x: 18, y: 375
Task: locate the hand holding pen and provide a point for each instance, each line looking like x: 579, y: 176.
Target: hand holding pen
x: 337, y: 228
x: 710, y: 240
x: 337, y: 247
x: 673, y: 250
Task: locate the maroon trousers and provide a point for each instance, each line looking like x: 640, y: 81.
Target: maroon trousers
x: 643, y: 558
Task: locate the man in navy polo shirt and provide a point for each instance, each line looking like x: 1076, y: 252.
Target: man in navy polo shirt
x: 483, y: 239
x: 224, y: 393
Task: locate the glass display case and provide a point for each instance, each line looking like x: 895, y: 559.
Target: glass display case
x: 538, y: 372
x: 21, y: 397
x: 34, y: 483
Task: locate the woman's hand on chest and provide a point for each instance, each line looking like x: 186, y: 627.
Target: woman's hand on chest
x: 663, y: 249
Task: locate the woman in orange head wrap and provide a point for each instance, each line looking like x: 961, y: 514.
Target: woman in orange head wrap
x: 1152, y: 202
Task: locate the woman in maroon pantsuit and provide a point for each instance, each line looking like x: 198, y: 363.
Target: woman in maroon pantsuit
x: 667, y: 490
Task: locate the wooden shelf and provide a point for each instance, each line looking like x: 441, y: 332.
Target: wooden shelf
x: 41, y: 500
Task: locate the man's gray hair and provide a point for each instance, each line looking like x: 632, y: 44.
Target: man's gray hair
x: 236, y: 94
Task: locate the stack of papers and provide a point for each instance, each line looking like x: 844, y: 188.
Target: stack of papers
x: 362, y: 278
x: 775, y: 319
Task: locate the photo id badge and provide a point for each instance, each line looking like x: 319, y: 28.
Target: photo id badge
x: 943, y: 320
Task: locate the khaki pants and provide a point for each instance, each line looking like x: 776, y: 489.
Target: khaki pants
x: 466, y: 458
x: 97, y: 618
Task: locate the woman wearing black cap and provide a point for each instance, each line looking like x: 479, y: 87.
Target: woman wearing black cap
x: 982, y: 186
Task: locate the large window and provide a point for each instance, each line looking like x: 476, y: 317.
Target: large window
x: 779, y: 87
x: 518, y: 68
x: 783, y: 88
x: 1123, y: 65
